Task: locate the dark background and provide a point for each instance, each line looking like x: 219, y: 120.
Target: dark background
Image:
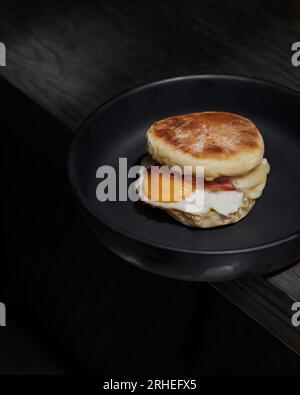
x: 71, y: 305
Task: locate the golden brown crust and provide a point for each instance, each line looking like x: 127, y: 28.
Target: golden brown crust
x: 208, y: 134
x: 224, y: 143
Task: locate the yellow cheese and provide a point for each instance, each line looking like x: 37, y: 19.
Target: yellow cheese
x: 255, y: 192
x: 253, y: 182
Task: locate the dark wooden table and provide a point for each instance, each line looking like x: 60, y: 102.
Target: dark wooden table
x: 70, y: 56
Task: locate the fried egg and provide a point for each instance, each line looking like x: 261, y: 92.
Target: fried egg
x: 190, y: 197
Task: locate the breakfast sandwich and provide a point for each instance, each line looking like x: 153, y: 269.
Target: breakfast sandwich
x: 227, y: 148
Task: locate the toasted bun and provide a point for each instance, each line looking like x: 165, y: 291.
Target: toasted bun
x: 225, y: 144
x: 212, y: 218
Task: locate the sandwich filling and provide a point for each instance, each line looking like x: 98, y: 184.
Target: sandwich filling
x: 225, y: 195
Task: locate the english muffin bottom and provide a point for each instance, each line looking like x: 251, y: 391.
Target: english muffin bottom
x: 212, y: 218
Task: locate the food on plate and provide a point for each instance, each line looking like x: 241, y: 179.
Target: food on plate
x: 205, y: 169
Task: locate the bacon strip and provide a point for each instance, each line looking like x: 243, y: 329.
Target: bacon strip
x: 219, y: 184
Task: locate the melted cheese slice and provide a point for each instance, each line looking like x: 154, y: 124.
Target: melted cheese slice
x: 253, y: 182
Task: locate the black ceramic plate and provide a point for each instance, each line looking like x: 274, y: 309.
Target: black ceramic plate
x: 266, y: 240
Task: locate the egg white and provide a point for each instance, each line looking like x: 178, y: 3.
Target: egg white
x: 199, y: 202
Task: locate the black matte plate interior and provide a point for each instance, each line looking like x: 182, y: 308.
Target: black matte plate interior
x: 118, y: 128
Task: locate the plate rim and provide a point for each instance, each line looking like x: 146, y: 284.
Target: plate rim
x: 133, y: 90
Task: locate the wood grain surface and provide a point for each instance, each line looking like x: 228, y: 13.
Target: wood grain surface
x: 70, y: 56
